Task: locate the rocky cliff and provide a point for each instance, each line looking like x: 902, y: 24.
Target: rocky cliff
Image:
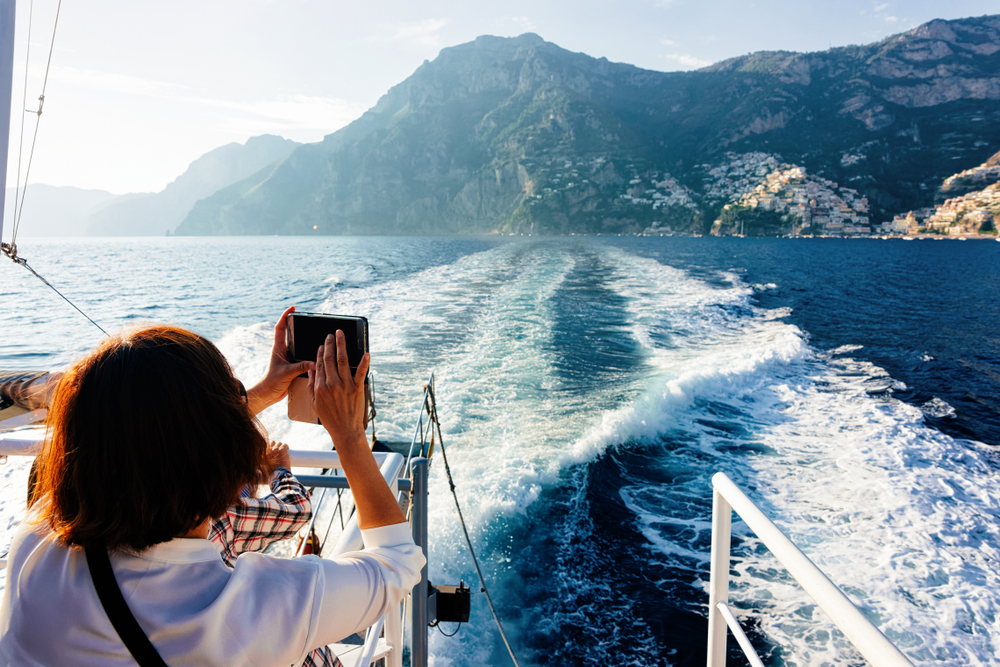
x: 517, y: 134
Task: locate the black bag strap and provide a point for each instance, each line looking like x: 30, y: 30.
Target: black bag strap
x: 116, y: 608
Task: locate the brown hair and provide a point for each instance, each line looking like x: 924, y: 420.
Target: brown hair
x: 149, y: 435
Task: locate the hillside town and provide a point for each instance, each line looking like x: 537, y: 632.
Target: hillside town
x: 810, y: 204
x: 819, y: 207
x: 744, y: 186
x: 665, y: 192
x: 976, y: 178
x: 972, y: 213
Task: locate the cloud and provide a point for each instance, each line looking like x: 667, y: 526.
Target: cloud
x: 879, y: 8
x: 285, y: 113
x: 667, y: 42
x: 422, y: 32
x: 687, y: 61
x: 111, y: 82
x: 524, y: 23
x: 891, y: 19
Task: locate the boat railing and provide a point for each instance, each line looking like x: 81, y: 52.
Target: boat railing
x: 415, y: 485
x: 28, y: 442
x: 727, y: 497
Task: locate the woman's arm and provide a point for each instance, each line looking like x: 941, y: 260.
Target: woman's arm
x: 359, y: 587
x: 30, y: 390
x: 339, y: 401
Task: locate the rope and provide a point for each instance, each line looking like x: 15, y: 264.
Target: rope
x: 432, y: 410
x: 20, y: 143
x: 11, y: 251
x: 371, y: 405
x: 34, y: 140
x: 311, y: 532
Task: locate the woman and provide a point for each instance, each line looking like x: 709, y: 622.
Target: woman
x: 151, y: 436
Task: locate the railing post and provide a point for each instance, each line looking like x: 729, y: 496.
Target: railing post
x: 418, y: 638
x: 722, y: 516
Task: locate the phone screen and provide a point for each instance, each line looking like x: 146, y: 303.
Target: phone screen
x: 307, y: 331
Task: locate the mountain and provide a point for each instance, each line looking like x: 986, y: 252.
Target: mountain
x: 53, y: 211
x: 520, y: 135
x: 158, y: 213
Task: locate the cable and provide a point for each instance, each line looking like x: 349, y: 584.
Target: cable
x: 432, y: 408
x: 371, y: 405
x: 459, y: 627
x: 24, y: 104
x: 11, y: 251
x: 311, y: 532
x: 31, y: 155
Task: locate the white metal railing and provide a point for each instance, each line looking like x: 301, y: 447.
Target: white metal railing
x: 28, y: 442
x: 18, y: 439
x: 21, y: 441
x: 726, y: 497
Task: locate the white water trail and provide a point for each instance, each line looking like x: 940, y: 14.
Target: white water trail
x: 903, y: 517
x: 900, y: 515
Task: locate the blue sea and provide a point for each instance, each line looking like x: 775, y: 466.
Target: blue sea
x: 589, y: 387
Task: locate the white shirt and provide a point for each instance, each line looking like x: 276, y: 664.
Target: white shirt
x: 195, y: 610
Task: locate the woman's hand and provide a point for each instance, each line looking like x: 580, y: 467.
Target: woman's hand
x: 338, y: 397
x: 273, y: 386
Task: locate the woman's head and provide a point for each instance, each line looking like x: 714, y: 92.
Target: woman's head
x: 149, y: 436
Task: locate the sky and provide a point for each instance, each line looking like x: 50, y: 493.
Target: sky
x: 139, y: 89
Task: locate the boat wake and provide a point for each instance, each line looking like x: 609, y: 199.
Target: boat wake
x: 587, y: 396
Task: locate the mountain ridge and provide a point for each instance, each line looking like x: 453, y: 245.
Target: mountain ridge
x: 517, y: 134
x: 156, y: 213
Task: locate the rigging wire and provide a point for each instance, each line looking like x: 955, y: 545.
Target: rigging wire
x: 432, y: 411
x: 38, y: 122
x: 24, y: 263
x: 18, y: 208
x: 20, y: 144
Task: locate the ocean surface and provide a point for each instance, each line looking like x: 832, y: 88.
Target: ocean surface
x: 589, y: 387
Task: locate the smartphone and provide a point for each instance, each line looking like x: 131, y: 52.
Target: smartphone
x: 304, y: 334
